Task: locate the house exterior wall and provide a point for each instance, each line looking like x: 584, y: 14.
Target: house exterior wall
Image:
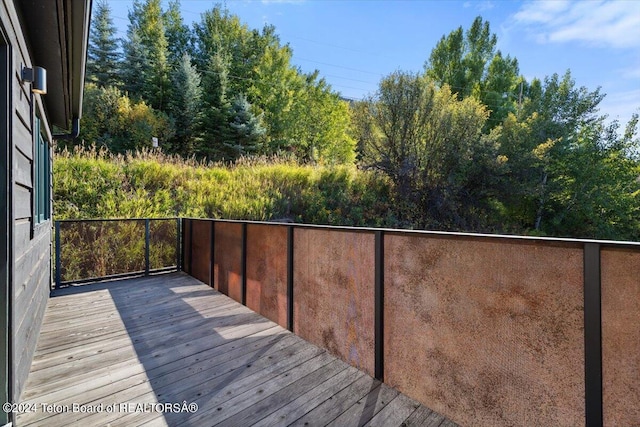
x: 31, y: 263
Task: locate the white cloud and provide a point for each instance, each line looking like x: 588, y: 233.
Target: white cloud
x: 621, y: 105
x: 480, y: 5
x: 631, y: 72
x: 613, y: 24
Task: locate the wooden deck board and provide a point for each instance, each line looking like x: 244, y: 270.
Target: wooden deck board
x: 424, y: 417
x: 298, y: 407
x: 168, y: 339
x: 394, y: 413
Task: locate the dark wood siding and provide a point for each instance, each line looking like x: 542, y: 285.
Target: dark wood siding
x: 31, y: 244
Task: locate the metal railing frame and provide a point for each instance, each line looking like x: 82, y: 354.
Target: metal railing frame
x: 58, y: 283
x: 592, y: 292
x: 592, y: 284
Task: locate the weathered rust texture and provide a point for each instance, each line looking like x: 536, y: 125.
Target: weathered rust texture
x: 228, y: 259
x: 201, y: 251
x: 267, y: 271
x: 333, y: 293
x: 488, y: 332
x: 620, y: 287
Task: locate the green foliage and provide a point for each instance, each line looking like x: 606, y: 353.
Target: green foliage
x: 596, y: 191
x: 103, y: 55
x: 468, y: 63
x: 248, y: 132
x: 134, y: 63
x: 184, y: 108
x: 113, y: 121
x: 431, y: 147
x: 216, y: 108
x: 470, y: 145
x: 178, y: 35
x: 146, y: 21
x: 500, y: 86
x: 461, y: 58
x: 563, y: 171
x: 238, y: 94
x: 321, y: 123
x: 95, y: 184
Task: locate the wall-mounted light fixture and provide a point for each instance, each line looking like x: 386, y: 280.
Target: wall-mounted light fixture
x: 37, y: 76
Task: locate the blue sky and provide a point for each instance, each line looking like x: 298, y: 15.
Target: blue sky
x: 355, y: 43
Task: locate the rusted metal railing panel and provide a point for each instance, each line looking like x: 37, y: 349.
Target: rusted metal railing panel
x: 266, y: 271
x: 201, y: 250
x: 620, y: 270
x: 228, y: 256
x: 486, y: 331
x: 333, y: 304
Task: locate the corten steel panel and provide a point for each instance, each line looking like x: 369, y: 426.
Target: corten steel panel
x: 201, y: 251
x: 267, y: 271
x: 333, y: 293
x: 228, y: 259
x: 620, y: 272
x: 486, y: 332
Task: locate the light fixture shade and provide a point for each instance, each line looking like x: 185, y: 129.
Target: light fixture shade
x: 39, y: 84
x: 37, y: 76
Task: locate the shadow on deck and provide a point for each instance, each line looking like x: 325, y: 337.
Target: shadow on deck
x: 126, y: 348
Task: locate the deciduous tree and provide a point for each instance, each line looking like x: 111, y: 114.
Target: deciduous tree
x: 431, y: 146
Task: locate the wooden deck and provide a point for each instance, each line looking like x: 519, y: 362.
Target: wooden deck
x: 123, y: 348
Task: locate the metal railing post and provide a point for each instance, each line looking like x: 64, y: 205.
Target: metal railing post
x: 212, y: 254
x: 290, y: 278
x: 147, y: 238
x: 244, y: 263
x: 178, y: 245
x: 58, y: 251
x: 592, y: 336
x: 190, y: 246
x: 379, y: 305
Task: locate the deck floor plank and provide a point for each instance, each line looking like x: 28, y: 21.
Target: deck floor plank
x: 395, y: 413
x: 194, y: 327
x: 166, y: 325
x: 285, y: 395
x: 423, y: 417
x: 376, y: 397
x: 298, y: 407
x: 168, y: 339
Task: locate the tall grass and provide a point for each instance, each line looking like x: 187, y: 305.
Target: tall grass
x: 96, y: 184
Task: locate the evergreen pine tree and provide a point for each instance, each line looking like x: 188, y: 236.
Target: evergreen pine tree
x: 247, y: 128
x: 216, y: 108
x: 178, y: 35
x: 103, y: 55
x: 134, y: 63
x: 184, y: 107
x: 146, y: 23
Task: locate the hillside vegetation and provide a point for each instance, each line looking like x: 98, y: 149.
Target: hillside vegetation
x: 96, y: 184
